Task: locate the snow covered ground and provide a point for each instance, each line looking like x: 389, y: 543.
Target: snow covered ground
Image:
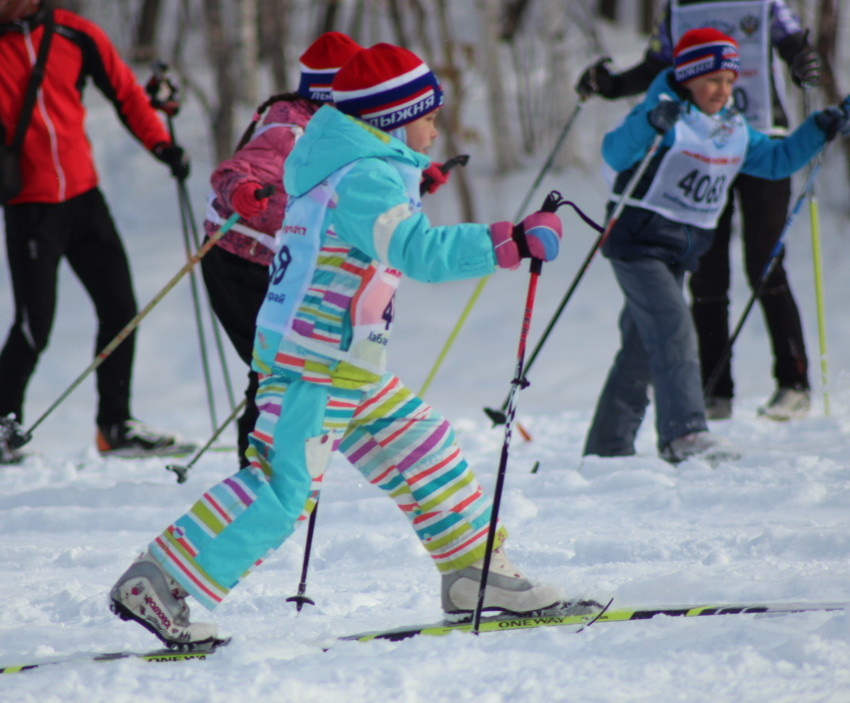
x: 772, y: 526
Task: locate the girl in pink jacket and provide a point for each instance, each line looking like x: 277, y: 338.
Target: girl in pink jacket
x: 236, y: 271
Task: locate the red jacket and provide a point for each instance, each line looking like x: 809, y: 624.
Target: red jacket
x: 56, y: 159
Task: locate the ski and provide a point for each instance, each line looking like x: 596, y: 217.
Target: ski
x: 156, y: 655
x: 581, y: 622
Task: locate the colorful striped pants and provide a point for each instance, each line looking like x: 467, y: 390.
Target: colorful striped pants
x: 398, y: 442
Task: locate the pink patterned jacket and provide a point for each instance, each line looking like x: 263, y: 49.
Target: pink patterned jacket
x: 260, y: 160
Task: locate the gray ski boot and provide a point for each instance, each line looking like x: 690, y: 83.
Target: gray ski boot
x: 508, y: 593
x: 148, y: 595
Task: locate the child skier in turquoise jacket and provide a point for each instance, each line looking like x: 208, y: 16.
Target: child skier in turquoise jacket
x: 668, y: 222
x: 352, y: 229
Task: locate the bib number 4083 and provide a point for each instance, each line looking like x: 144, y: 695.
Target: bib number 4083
x: 701, y: 187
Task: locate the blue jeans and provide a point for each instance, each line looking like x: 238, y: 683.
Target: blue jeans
x: 658, y: 347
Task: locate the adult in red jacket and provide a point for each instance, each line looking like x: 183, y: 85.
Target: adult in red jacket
x: 60, y: 211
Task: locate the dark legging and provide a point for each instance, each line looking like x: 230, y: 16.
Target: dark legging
x: 38, y: 236
x: 236, y: 289
x: 764, y: 207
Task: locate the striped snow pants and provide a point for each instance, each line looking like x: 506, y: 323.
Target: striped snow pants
x: 398, y: 442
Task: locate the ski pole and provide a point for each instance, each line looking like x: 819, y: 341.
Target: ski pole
x: 17, y: 437
x: 814, y: 221
x: 772, y: 259
x: 196, y: 307
x: 182, y: 471
x: 214, y: 323
x: 164, y: 96
x: 300, y: 599
x: 476, y: 293
x: 497, y: 416
x: 551, y: 204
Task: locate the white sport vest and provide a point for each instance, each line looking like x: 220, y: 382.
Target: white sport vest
x: 693, y: 178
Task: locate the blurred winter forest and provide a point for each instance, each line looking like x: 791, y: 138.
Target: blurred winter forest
x: 508, y: 67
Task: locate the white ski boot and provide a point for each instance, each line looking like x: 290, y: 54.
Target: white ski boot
x: 147, y: 594
x: 787, y: 404
x: 508, y: 592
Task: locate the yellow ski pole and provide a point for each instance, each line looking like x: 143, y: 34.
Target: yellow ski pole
x: 482, y: 282
x: 814, y: 220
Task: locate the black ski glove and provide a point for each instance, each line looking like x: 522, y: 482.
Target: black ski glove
x: 596, y: 80
x: 664, y: 115
x: 806, y: 68
x: 176, y: 159
x: 835, y: 120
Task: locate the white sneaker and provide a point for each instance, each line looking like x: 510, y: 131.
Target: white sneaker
x: 147, y: 594
x: 703, y: 445
x: 787, y: 404
x: 508, y: 591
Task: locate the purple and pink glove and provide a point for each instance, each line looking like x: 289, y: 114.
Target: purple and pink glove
x: 244, y: 201
x: 538, y: 236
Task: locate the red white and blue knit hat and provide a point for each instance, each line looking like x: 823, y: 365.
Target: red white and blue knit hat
x: 386, y: 86
x: 702, y: 51
x: 320, y: 63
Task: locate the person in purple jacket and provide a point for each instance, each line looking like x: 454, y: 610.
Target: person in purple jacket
x: 236, y: 271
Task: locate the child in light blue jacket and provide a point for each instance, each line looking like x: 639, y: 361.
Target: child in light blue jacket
x: 352, y: 229
x: 668, y: 222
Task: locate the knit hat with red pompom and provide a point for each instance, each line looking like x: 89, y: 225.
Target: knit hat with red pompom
x: 320, y: 63
x: 702, y: 51
x: 386, y: 86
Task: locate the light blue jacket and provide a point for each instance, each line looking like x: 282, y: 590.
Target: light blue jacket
x: 354, y: 198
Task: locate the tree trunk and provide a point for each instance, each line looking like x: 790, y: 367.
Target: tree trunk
x: 514, y: 11
x: 647, y: 16
x: 497, y: 99
x: 218, y: 50
x: 398, y: 24
x: 274, y: 36
x: 450, y: 116
x: 248, y: 51
x: 144, y: 43
x: 608, y: 9
x: 327, y: 21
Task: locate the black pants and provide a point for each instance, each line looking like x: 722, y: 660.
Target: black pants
x: 236, y: 289
x: 38, y: 236
x: 764, y: 208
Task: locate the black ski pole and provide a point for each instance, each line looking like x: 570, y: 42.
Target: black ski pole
x: 552, y: 154
x: 435, y: 367
x: 164, y: 96
x: 181, y: 471
x: 498, y: 416
x: 183, y: 194
x: 300, y: 599
x: 772, y: 260
x: 551, y: 204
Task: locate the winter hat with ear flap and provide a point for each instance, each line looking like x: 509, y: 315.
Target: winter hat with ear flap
x: 703, y: 51
x: 320, y: 63
x: 386, y: 86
